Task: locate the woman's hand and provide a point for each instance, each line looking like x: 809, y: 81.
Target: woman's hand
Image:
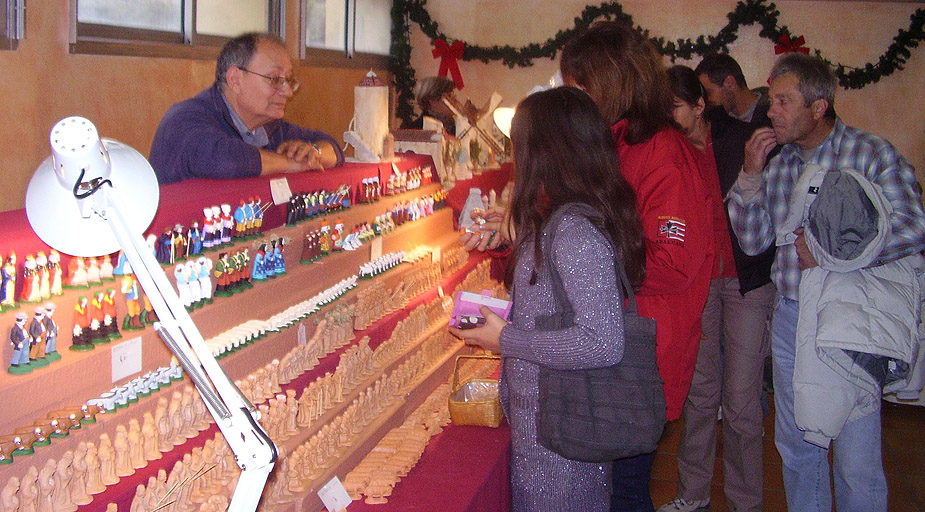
x: 488, y: 232
x: 487, y: 336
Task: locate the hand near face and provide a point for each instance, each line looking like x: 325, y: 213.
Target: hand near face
x: 757, y: 148
x: 488, y: 336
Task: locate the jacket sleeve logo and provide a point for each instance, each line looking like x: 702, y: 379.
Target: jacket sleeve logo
x: 671, y: 230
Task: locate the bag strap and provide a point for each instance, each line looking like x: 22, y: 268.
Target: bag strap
x: 549, y: 230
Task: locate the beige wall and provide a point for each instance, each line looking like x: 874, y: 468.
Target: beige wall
x: 852, y: 33
x: 124, y: 96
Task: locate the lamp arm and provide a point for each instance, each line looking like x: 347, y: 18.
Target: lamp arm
x: 235, y: 415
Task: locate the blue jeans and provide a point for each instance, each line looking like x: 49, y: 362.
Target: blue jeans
x: 860, y: 484
x: 631, y: 484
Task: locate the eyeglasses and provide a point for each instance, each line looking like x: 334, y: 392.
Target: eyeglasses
x: 277, y: 81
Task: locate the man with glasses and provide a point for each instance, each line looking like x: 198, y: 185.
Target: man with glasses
x: 234, y: 129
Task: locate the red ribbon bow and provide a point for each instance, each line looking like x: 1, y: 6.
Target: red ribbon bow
x: 448, y: 55
x: 785, y: 45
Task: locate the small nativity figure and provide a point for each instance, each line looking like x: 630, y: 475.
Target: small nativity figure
x: 20, y: 339
x: 51, y: 333
x: 81, y: 334
x: 37, y: 333
x: 8, y: 283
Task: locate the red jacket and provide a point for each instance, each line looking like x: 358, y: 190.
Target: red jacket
x: 676, y: 214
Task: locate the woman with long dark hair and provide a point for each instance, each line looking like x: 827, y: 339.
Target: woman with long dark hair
x: 563, y: 153
x: 624, y: 74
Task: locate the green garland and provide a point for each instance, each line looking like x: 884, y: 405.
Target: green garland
x: 746, y: 12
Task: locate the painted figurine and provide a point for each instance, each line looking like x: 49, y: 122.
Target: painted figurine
x: 97, y: 319
x: 164, y: 247
x: 227, y: 223
x: 192, y: 277
x: 208, y: 229
x: 179, y: 273
x: 240, y: 220
x: 205, y: 279
x: 180, y: 245
x: 37, y: 334
x: 77, y: 273
x: 31, y: 285
x: 110, y: 319
x: 194, y: 239
x: 106, y: 268
x: 93, y: 272
x: 132, y: 293
x: 81, y: 333
x: 20, y: 339
x: 8, y: 283
x: 41, y: 268
x: 51, y: 333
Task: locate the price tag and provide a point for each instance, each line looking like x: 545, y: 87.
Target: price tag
x: 279, y: 189
x: 334, y: 495
x: 375, y: 249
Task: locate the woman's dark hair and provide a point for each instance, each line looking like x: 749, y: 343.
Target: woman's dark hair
x: 564, y: 153
x: 685, y: 85
x: 621, y: 70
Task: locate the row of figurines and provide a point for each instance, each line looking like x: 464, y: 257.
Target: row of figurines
x: 57, y: 424
x: 305, y: 205
x: 370, y: 189
x: 328, y: 239
x: 381, y: 264
x: 42, y: 277
x: 220, y: 226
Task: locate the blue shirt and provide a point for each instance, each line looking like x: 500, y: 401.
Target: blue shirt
x: 756, y: 219
x: 197, y: 138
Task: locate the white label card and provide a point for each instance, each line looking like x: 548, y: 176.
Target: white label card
x: 435, y: 255
x: 334, y: 495
x: 279, y: 189
x: 375, y: 249
x: 126, y: 359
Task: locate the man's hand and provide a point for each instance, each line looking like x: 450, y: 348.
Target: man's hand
x: 757, y: 148
x: 487, y: 336
x: 302, y: 152
x: 488, y: 232
x: 805, y: 258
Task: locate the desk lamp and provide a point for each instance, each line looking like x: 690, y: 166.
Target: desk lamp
x: 94, y: 196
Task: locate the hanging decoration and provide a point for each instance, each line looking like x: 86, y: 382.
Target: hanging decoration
x: 746, y: 12
x: 449, y: 55
x: 785, y: 45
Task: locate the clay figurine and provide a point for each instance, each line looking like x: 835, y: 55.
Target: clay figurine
x: 81, y: 334
x: 37, y: 334
x: 20, y: 339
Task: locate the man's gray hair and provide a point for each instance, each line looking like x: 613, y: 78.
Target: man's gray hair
x: 239, y: 51
x: 816, y: 79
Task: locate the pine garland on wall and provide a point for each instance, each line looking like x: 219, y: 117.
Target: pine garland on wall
x: 746, y: 12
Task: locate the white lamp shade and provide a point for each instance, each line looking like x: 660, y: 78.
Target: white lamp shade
x: 503, y: 117
x: 53, y: 211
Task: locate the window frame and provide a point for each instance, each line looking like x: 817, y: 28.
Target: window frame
x: 12, y: 23
x: 98, y: 39
x: 326, y: 57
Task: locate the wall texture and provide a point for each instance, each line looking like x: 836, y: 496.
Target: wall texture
x: 125, y: 97
x: 852, y: 33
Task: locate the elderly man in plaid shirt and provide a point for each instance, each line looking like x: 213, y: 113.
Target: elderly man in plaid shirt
x: 804, y: 123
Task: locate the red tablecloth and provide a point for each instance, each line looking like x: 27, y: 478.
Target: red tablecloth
x: 463, y: 469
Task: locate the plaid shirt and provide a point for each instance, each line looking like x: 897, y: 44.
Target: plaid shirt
x: 755, y: 221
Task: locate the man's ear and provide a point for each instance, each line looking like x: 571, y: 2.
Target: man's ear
x: 233, y: 78
x: 730, y: 82
x: 819, y: 108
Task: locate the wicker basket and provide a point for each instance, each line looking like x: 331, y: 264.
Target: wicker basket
x: 475, y: 402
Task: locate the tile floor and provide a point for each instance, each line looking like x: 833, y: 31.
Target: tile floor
x: 903, y: 460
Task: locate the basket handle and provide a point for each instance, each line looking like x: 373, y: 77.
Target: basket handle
x: 468, y: 356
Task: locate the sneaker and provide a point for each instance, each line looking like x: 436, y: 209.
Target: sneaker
x: 682, y: 505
